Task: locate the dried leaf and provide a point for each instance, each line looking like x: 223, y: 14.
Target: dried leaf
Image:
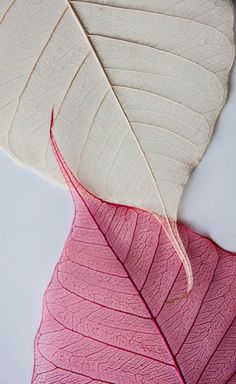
x: 110, y: 313
x: 137, y: 87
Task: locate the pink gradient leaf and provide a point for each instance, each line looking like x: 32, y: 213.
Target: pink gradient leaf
x: 110, y: 313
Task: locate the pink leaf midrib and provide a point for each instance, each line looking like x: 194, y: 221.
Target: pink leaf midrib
x: 73, y: 183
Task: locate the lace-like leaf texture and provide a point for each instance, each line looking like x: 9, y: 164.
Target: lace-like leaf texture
x: 110, y: 314
x: 137, y: 87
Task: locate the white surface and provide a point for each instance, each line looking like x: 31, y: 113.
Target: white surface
x: 31, y: 239
x: 34, y: 223
x: 208, y: 203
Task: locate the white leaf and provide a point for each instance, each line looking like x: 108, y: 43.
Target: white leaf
x: 137, y: 87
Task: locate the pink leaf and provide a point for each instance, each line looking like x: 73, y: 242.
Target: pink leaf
x: 111, y: 314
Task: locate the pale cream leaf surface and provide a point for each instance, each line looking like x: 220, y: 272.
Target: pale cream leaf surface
x: 136, y: 85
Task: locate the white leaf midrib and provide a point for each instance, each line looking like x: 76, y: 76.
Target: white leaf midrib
x: 106, y: 78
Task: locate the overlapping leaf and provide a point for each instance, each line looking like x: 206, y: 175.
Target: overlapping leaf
x: 137, y: 86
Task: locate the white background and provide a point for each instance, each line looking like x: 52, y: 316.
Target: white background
x: 35, y: 218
